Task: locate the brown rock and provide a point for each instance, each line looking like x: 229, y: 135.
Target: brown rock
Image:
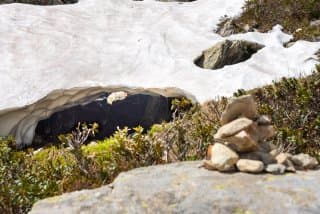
x: 304, y: 161
x: 223, y: 158
x: 250, y: 156
x: 266, y: 158
x: 266, y: 146
x: 261, y: 133
x: 282, y: 158
x: 242, y: 142
x: 243, y: 106
x: 233, y: 128
x: 116, y: 96
x: 263, y: 121
x: 265, y: 132
x: 252, y: 166
x: 290, y: 166
x: 207, y: 164
x: 227, y: 27
x: 274, y: 152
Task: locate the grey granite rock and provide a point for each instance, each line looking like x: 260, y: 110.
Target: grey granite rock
x: 185, y: 188
x: 304, y: 161
x: 276, y: 169
x: 227, y: 53
x: 223, y: 158
x: 252, y: 166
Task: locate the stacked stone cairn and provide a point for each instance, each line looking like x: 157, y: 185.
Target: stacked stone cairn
x: 241, y: 143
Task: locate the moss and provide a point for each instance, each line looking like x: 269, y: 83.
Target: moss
x: 56, y: 155
x: 242, y: 211
x: 219, y: 187
x: 101, y: 150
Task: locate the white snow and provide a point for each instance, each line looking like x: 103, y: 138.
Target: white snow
x: 132, y: 43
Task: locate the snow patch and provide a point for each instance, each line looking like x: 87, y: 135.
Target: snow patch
x: 146, y: 44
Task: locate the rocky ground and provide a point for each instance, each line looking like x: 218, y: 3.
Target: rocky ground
x: 241, y: 143
x: 185, y: 188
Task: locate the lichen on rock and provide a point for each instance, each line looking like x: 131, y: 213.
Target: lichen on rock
x: 184, y: 188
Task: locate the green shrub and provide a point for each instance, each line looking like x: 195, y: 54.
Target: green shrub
x: 21, y: 179
x: 28, y: 176
x: 123, y: 152
x: 190, y: 132
x: 291, y: 14
x: 294, y: 105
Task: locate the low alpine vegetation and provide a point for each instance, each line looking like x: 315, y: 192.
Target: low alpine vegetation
x: 28, y: 176
x: 297, y: 17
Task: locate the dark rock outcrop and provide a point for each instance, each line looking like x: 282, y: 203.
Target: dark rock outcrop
x: 61, y: 110
x: 39, y: 2
x: 144, y: 109
x: 185, y: 188
x: 229, y: 26
x: 227, y: 53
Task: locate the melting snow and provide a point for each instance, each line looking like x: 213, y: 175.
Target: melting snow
x: 132, y: 43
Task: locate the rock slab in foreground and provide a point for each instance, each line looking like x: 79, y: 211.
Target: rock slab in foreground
x: 185, y: 188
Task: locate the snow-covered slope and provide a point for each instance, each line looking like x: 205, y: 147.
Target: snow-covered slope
x: 130, y: 43
x: 133, y: 43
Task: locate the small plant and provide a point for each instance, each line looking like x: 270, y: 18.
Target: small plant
x: 186, y: 137
x: 77, y: 139
x: 180, y: 105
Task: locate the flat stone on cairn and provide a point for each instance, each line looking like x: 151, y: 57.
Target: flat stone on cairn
x: 233, y: 128
x: 240, y: 144
x: 253, y: 166
x: 243, y: 106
